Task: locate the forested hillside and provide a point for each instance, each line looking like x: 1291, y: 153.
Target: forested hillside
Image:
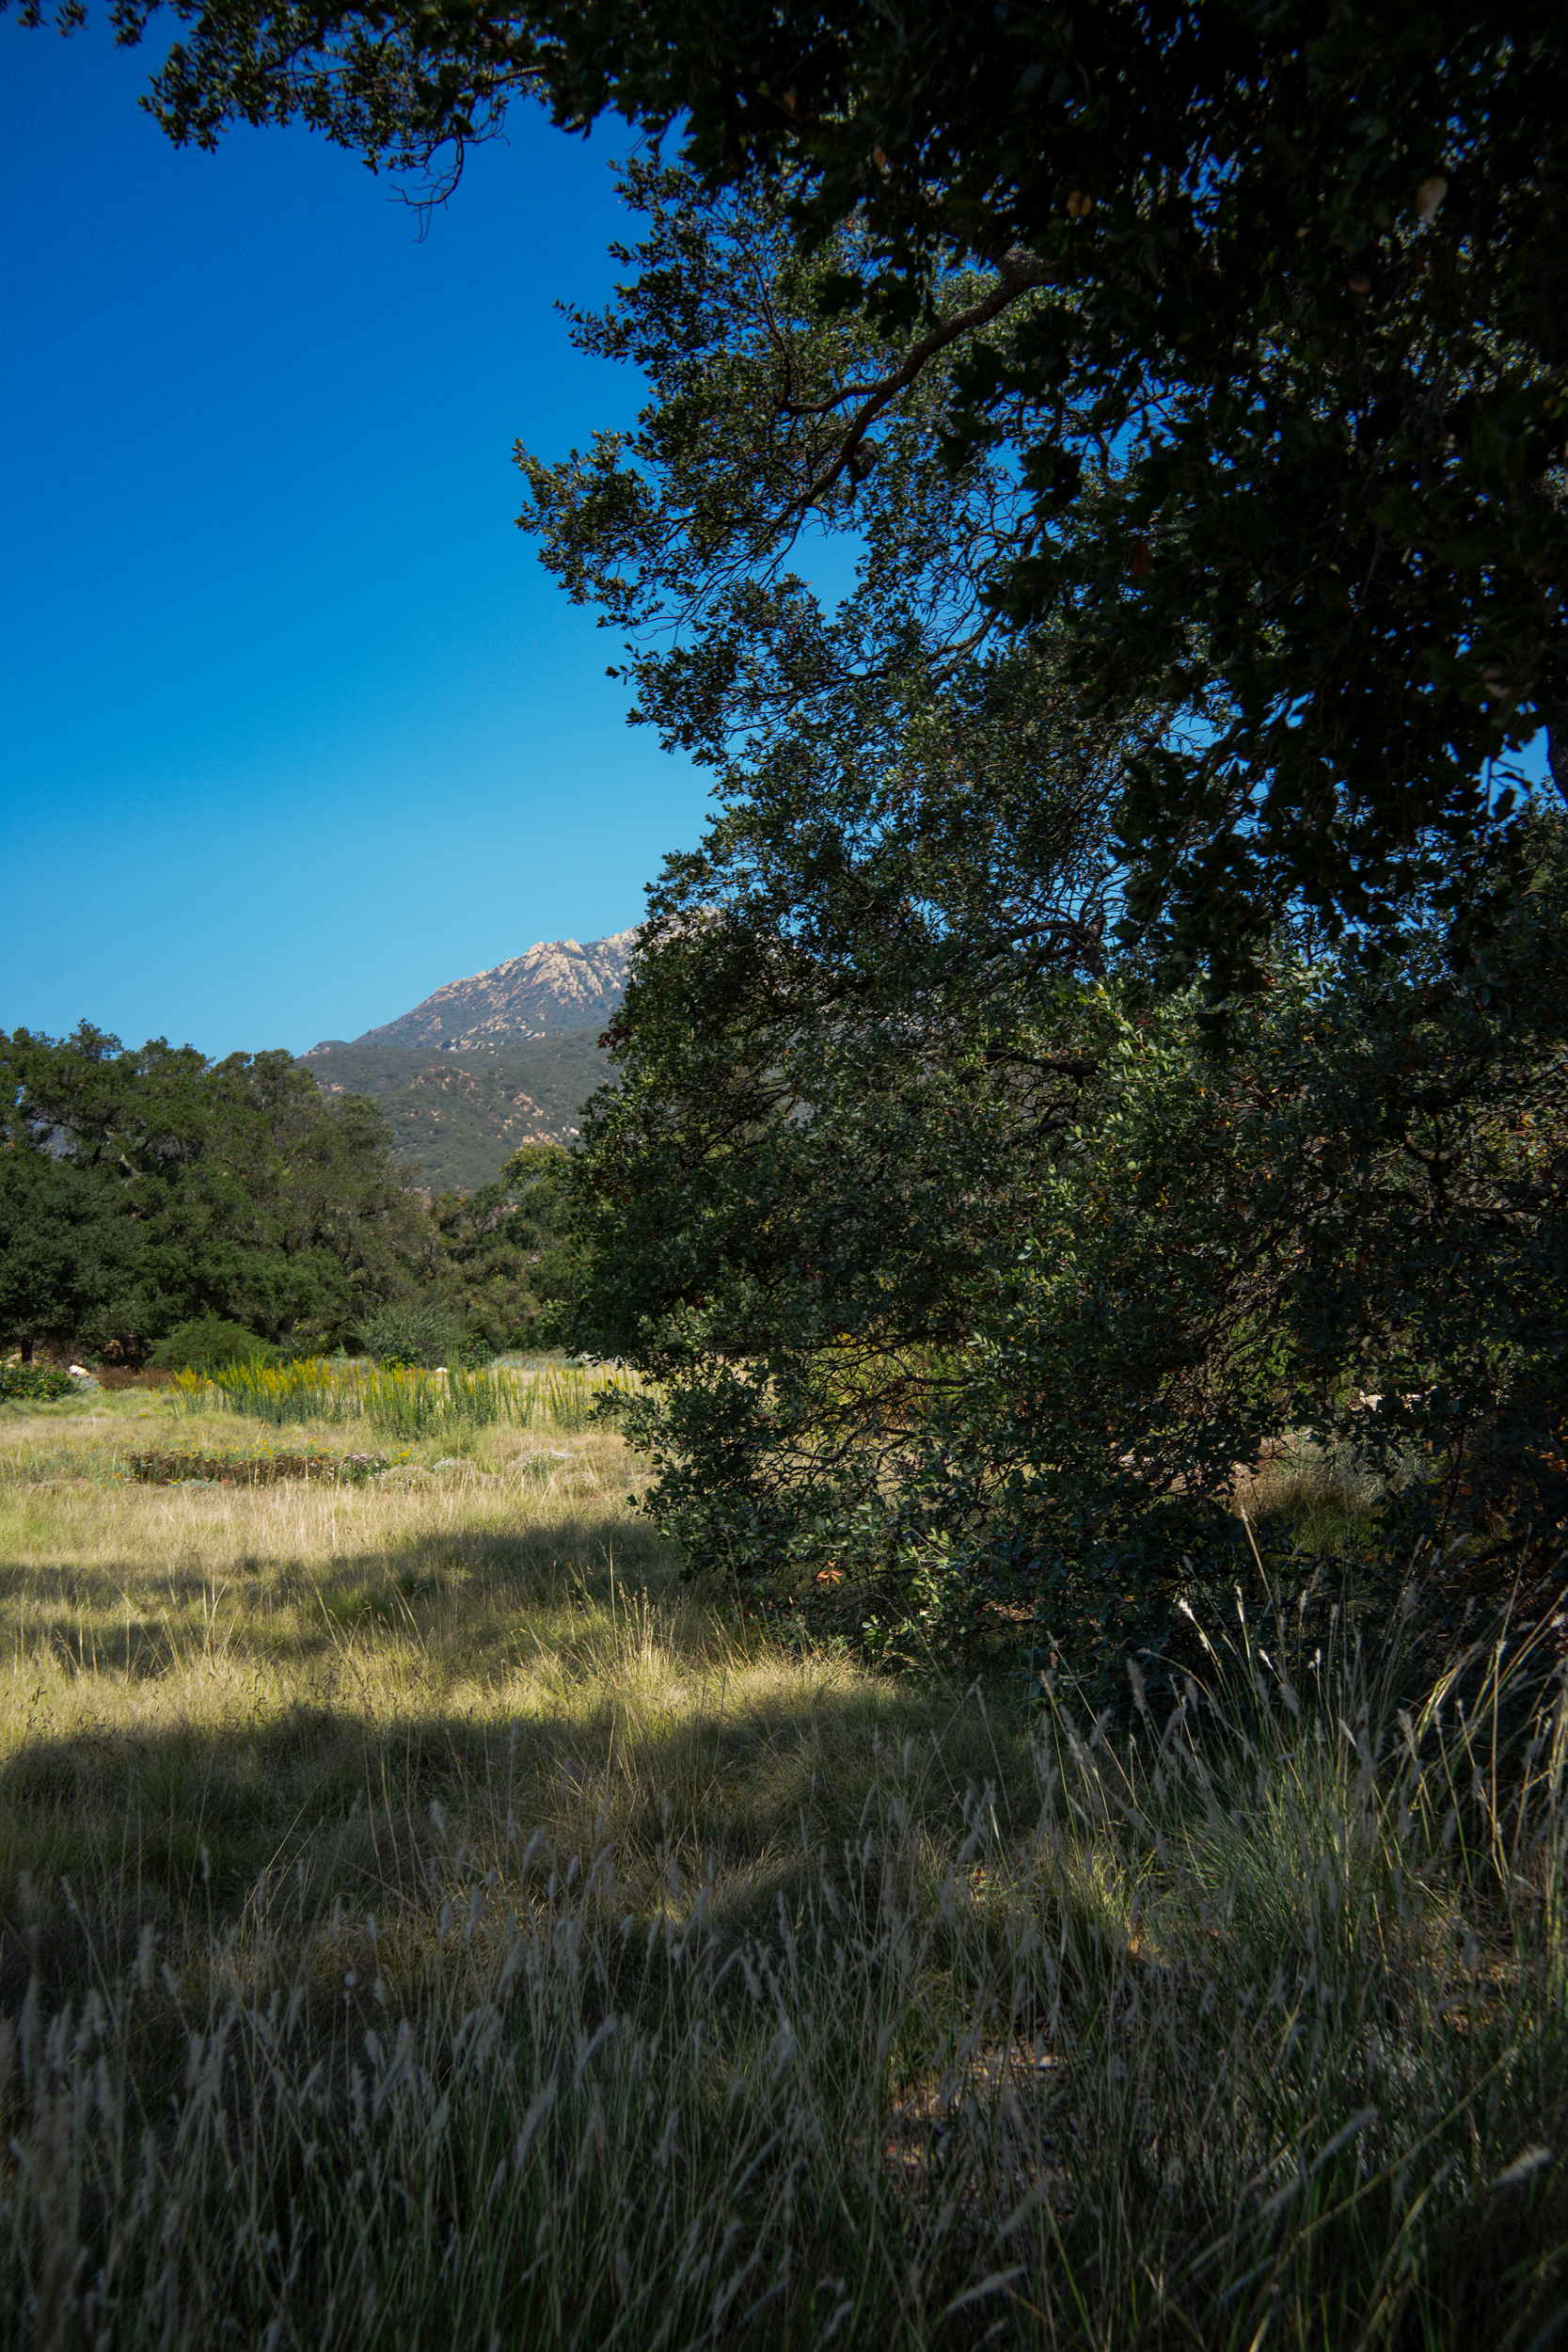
x: 485, y: 1065
x: 455, y: 1118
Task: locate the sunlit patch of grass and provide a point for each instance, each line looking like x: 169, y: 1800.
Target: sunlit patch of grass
x: 1328, y: 1501
x: 403, y: 1401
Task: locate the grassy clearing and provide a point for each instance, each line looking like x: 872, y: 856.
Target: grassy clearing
x: 422, y: 1919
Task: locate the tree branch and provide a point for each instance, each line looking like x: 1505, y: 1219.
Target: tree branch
x: 1018, y: 272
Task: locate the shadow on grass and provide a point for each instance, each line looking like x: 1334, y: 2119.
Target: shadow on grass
x: 454, y: 1692
x: 119, y: 1618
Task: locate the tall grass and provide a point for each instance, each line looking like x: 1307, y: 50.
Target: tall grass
x: 1244, y: 2025
x: 309, y: 1390
x: 405, y: 1403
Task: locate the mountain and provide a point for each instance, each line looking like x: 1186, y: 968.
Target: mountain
x: 506, y: 1057
x: 455, y: 1118
x: 557, y: 986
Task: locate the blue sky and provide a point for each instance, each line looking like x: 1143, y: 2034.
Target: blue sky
x: 295, y: 727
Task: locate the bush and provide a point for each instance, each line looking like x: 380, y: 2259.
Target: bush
x: 162, y: 1466
x: 39, y: 1384
x: 417, y: 1334
x: 207, y: 1343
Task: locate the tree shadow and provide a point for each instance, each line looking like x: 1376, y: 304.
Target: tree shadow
x: 108, y: 1618
x: 741, y: 1773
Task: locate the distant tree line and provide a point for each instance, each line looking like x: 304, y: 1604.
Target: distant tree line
x: 147, y: 1190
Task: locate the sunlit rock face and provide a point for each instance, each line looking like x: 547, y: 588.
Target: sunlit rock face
x: 556, y: 985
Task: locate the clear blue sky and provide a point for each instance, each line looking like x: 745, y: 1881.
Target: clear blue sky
x: 295, y: 727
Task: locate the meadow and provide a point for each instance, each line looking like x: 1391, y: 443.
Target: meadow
x: 425, y: 1919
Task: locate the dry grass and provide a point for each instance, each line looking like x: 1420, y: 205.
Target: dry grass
x: 421, y: 1917
x: 236, y: 1669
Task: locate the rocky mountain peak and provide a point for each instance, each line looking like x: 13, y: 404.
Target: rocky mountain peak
x: 554, y: 986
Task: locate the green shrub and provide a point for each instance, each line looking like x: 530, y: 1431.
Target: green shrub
x: 417, y: 1334
x: 162, y: 1466
x: 36, y: 1383
x: 207, y: 1343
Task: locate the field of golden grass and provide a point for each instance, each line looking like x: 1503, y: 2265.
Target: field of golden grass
x: 245, y: 1673
x: 424, y: 1917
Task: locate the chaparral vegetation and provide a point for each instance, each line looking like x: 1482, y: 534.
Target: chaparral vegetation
x: 986, y: 1763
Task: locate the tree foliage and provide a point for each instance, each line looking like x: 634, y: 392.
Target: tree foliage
x: 507, y: 1257
x: 972, y: 1278
x: 148, y: 1186
x: 68, y: 1262
x: 207, y: 1343
x: 1100, y: 509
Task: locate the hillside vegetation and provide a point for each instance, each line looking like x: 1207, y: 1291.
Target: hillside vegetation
x: 456, y: 1118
